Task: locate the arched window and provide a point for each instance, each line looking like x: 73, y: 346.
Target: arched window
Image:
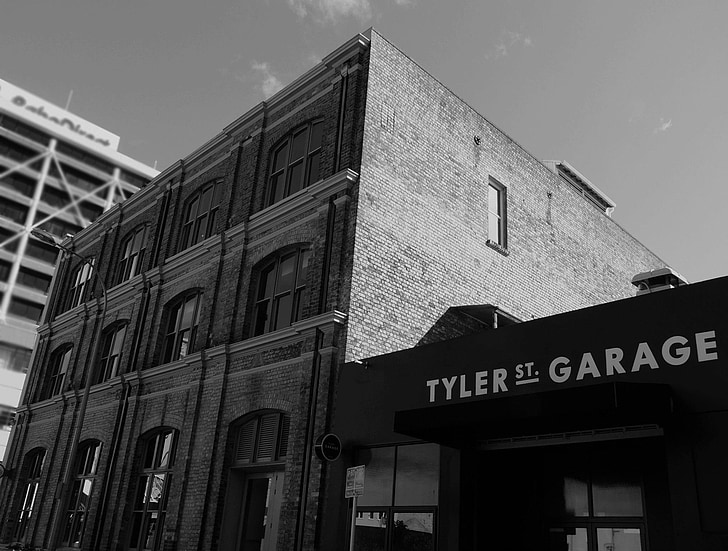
x: 200, y: 215
x: 79, y: 283
x: 112, y: 344
x: 150, y: 499
x: 180, y: 334
x: 295, y: 162
x: 56, y: 372
x: 132, y: 255
x: 32, y: 469
x: 282, y: 293
x: 87, y: 464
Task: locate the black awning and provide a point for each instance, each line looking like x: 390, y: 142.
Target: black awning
x: 574, y: 409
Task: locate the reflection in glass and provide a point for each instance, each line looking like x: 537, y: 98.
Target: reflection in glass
x: 371, y: 530
x: 418, y: 469
x: 569, y: 538
x: 413, y: 532
x: 617, y: 495
x: 379, y: 464
x: 619, y: 539
x: 576, y: 497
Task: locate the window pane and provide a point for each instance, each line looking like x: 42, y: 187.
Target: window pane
x: 298, y: 149
x: 378, y: 477
x: 286, y: 273
x: 188, y: 315
x: 413, y: 532
x: 313, y: 168
x: 276, y: 188
x: 494, y: 228
x: 296, y: 178
x: 303, y: 268
x: 284, y: 305
x: 281, y: 157
x: 316, y: 132
x: 619, y: 539
x: 617, y: 495
x: 266, y: 283
x: 493, y: 200
x: 418, y: 469
x: 371, y: 529
x: 166, y: 453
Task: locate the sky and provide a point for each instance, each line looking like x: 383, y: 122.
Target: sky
x: 632, y: 93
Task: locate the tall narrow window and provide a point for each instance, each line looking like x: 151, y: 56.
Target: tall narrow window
x: 33, y: 468
x: 56, y: 372
x: 200, y: 215
x: 150, y: 499
x: 79, y: 282
x: 282, y: 294
x: 87, y: 465
x: 112, y: 342
x: 295, y: 162
x: 497, y: 213
x: 183, y: 317
x: 132, y: 255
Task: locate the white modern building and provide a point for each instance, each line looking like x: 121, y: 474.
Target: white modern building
x: 58, y: 172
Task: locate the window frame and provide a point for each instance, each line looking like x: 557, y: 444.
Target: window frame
x: 56, y: 371
x: 499, y: 214
x: 148, y: 489
x: 281, y: 175
x: 80, y: 278
x: 131, y: 260
x: 198, y: 225
x: 86, y: 470
x: 33, y: 467
x: 111, y: 352
x: 173, y: 337
x: 269, y: 296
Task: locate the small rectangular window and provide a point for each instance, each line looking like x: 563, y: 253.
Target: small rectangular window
x: 497, y: 213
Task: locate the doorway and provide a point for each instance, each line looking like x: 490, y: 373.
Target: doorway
x: 260, y: 511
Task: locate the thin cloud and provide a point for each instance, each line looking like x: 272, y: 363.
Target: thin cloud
x: 664, y: 125
x: 507, y: 42
x: 269, y: 83
x: 330, y: 11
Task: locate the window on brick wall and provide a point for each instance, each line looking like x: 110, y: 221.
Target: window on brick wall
x: 497, y: 233
x: 30, y: 476
x: 295, y: 162
x: 87, y: 463
x: 180, y: 333
x: 56, y: 372
x: 112, y: 343
x: 132, y: 255
x: 200, y: 215
x: 282, y: 293
x: 80, y: 281
x: 150, y: 499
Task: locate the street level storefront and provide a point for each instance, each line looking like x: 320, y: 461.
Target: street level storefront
x: 602, y: 429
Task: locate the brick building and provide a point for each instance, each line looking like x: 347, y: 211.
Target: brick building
x: 362, y: 209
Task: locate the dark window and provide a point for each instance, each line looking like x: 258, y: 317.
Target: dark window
x: 33, y: 279
x: 497, y: 214
x: 150, y: 498
x: 132, y: 255
x: 295, y: 162
x: 15, y: 151
x: 183, y: 317
x: 112, y: 343
x: 200, y: 219
x: 17, y: 182
x: 263, y: 439
x: 41, y: 251
x: 77, y: 178
x: 25, y: 309
x: 398, y: 510
x: 11, y: 123
x: 79, y: 283
x: 85, y: 157
x: 9, y: 209
x: 32, y: 469
x: 56, y: 372
x: 14, y: 358
x: 282, y: 294
x: 78, y: 508
x: 12, y: 238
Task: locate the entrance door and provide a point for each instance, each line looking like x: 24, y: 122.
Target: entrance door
x: 577, y: 497
x: 260, y: 512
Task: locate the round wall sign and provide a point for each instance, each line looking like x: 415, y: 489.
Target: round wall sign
x: 328, y: 447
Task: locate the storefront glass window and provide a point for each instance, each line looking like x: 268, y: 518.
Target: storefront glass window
x: 418, y: 469
x: 619, y: 539
x: 413, y: 532
x: 379, y: 464
x: 617, y: 495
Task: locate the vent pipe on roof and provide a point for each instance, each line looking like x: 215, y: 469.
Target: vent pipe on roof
x: 657, y: 280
